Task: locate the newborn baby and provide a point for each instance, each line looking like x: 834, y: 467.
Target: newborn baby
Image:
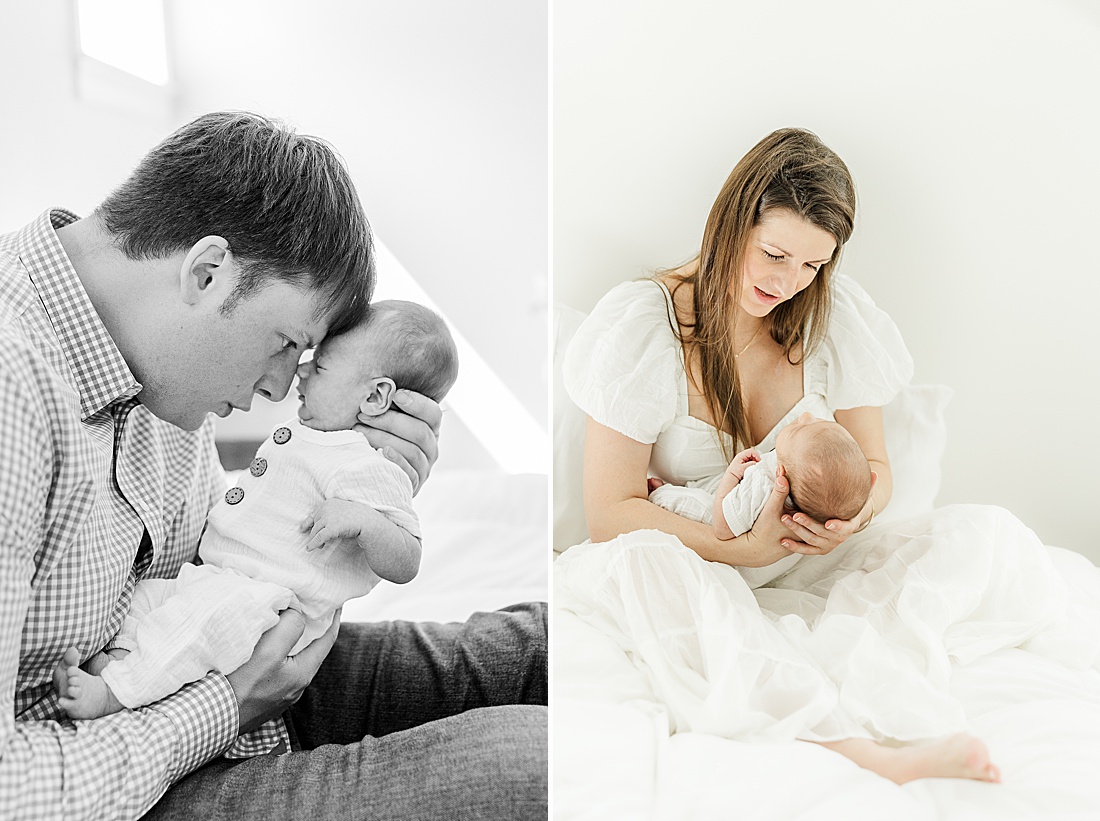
x: 828, y: 474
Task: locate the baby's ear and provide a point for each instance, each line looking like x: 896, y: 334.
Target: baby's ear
x: 379, y: 398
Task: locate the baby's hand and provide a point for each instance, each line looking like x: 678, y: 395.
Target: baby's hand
x: 332, y: 521
x: 731, y: 479
x: 741, y: 463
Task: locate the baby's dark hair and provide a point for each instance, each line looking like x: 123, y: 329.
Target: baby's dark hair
x: 831, y: 478
x: 423, y: 354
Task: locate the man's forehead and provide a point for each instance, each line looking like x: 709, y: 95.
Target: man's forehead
x: 306, y: 314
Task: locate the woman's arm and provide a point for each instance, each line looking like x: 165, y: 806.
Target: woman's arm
x: 865, y: 425
x: 616, y: 501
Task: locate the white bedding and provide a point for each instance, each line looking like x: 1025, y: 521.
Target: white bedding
x: 617, y: 754
x: 614, y: 756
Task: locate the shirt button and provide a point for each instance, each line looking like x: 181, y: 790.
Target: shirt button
x: 281, y: 436
x: 234, y: 495
x: 258, y: 466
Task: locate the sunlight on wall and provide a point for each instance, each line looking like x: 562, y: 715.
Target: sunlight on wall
x: 126, y: 34
x: 486, y: 406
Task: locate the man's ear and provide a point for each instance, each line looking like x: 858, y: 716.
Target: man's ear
x: 380, y: 398
x: 205, y: 266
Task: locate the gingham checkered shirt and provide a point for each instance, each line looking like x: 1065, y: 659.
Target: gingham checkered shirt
x: 95, y: 493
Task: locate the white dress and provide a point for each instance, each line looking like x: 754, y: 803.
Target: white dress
x: 858, y: 643
x: 625, y: 369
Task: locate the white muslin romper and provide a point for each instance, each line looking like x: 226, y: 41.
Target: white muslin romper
x: 254, y: 563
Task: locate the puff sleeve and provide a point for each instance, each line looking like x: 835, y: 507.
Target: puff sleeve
x: 863, y: 360
x: 623, y: 367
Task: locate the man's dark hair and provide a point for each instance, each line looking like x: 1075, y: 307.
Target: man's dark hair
x: 284, y: 202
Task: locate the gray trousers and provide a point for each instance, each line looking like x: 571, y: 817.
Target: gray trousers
x: 402, y: 721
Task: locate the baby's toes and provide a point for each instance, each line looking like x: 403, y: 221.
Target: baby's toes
x: 71, y: 658
x: 61, y: 678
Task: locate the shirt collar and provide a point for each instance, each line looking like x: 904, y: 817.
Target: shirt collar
x: 102, y: 375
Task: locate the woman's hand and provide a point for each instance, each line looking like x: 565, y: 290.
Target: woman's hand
x: 408, y: 435
x: 780, y: 531
x: 770, y: 540
x: 812, y: 538
x: 816, y: 538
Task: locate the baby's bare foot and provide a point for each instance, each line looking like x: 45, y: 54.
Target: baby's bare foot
x: 61, y: 671
x: 96, y: 663
x: 957, y: 756
x: 85, y: 695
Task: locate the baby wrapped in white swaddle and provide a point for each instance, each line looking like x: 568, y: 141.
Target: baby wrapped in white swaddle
x: 829, y: 478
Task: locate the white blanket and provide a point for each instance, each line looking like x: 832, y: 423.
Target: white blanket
x: 679, y: 694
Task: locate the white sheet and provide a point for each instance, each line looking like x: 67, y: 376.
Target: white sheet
x: 1037, y: 709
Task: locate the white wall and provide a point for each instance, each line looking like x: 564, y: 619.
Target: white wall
x: 439, y: 109
x: 56, y: 150
x: 970, y: 128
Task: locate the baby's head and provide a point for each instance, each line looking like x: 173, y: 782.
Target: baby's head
x: 828, y: 473
x: 399, y: 345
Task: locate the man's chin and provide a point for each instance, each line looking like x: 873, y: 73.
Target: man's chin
x: 189, y: 419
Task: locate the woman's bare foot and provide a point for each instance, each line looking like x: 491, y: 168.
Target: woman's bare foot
x: 81, y: 694
x: 957, y: 756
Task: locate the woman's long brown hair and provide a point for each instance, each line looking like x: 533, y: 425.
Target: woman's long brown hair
x: 792, y: 169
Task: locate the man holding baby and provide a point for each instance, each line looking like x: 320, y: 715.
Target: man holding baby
x: 233, y: 247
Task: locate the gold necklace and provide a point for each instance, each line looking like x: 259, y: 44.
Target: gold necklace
x: 751, y: 340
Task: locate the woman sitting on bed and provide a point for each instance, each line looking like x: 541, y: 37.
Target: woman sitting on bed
x: 679, y: 372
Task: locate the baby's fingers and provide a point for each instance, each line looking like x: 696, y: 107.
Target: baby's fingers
x: 319, y: 538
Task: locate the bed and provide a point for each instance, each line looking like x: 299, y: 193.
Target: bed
x: 615, y: 758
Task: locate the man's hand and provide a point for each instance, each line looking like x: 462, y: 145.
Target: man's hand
x: 269, y: 682
x: 408, y: 436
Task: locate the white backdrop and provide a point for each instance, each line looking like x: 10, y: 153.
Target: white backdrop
x: 971, y: 130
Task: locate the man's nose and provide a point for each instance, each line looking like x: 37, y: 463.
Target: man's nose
x: 275, y: 384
